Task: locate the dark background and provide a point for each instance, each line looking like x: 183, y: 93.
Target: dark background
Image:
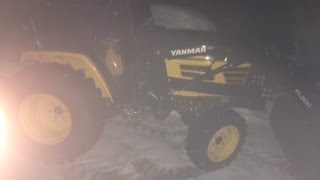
x: 291, y: 24
x: 284, y: 22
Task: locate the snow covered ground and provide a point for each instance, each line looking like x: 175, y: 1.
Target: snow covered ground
x: 154, y: 150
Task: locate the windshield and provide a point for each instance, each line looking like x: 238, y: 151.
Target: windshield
x: 176, y: 17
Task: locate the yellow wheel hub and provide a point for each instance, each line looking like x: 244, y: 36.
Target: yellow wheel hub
x: 223, y: 143
x: 45, y: 118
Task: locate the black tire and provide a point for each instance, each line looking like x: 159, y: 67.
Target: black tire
x: 87, y: 108
x: 297, y: 132
x: 202, y: 129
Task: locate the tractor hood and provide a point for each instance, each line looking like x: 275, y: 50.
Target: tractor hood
x: 186, y: 42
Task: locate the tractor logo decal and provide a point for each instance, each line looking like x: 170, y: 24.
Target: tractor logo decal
x: 180, y: 52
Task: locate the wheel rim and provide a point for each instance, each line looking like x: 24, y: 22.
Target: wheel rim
x: 223, y: 143
x: 45, y: 118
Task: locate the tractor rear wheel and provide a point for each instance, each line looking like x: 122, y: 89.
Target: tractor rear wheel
x: 215, y: 138
x: 58, y: 113
x: 297, y: 132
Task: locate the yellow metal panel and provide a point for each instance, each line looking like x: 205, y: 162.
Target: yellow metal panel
x: 174, y: 70
x: 77, y: 61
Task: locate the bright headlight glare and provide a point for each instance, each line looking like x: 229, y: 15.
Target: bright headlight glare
x: 3, y: 131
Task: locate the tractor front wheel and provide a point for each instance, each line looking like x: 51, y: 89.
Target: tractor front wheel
x: 215, y: 138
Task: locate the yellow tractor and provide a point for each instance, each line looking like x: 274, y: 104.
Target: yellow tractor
x: 85, y: 62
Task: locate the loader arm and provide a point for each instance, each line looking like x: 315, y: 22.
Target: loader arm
x: 285, y: 73
x: 295, y: 83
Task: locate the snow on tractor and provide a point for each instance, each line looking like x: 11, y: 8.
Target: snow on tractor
x: 78, y: 69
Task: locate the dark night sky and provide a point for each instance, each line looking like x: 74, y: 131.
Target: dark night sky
x: 235, y: 15
x: 267, y: 19
x: 255, y: 13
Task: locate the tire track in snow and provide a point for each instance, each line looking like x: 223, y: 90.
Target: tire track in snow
x: 140, y: 167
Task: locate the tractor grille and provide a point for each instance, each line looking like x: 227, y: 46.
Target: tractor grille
x: 237, y: 76
x: 234, y: 76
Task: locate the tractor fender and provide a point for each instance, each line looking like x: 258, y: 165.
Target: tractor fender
x: 77, y: 61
